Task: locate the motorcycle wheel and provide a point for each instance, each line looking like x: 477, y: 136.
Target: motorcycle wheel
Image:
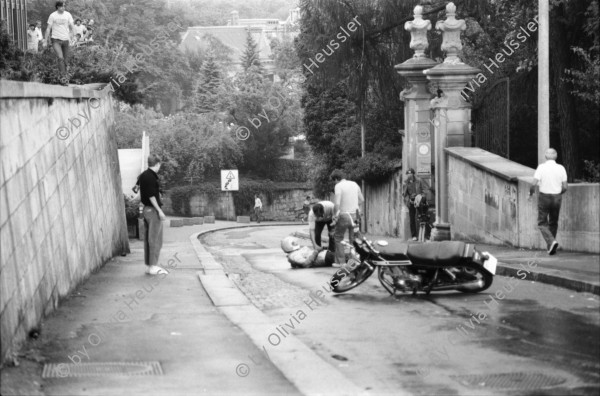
x: 476, y: 273
x: 349, y: 279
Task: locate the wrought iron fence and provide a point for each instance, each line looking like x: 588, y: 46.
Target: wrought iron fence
x: 491, y: 119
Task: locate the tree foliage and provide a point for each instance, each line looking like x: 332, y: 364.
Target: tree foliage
x: 135, y: 49
x: 206, y: 88
x: 263, y: 109
x: 586, y: 79
x: 361, y: 72
x: 573, y: 113
x: 355, y: 88
x: 250, y: 57
x: 10, y: 56
x: 131, y: 121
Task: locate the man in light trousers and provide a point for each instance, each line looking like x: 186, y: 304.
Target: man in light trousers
x: 552, y: 179
x: 348, y: 199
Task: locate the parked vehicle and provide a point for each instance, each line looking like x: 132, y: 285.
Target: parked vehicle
x: 424, y: 267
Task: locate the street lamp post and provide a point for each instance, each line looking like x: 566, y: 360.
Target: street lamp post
x: 543, y: 81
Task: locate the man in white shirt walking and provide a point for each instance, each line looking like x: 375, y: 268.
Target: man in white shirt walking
x: 60, y: 23
x: 348, y: 199
x: 257, y: 207
x: 552, y: 179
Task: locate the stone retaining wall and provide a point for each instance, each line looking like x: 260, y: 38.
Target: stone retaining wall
x: 62, y: 212
x: 283, y: 207
x: 487, y: 202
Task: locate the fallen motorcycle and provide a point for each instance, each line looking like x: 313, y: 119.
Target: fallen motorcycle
x: 424, y: 267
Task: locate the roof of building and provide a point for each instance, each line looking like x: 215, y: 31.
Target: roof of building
x: 258, y: 22
x: 233, y: 37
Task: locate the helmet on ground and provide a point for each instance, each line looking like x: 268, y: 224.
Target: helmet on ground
x: 289, y: 244
x: 303, y: 257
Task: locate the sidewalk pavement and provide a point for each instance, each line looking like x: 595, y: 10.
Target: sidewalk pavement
x: 571, y: 270
x: 120, y: 314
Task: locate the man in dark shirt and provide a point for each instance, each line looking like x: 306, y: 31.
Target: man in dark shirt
x: 153, y: 215
x: 412, y: 187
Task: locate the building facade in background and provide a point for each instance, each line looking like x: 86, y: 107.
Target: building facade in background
x: 14, y: 12
x: 233, y: 36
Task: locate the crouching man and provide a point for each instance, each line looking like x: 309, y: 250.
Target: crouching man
x: 319, y: 216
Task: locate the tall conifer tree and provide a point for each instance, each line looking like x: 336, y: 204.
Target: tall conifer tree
x: 251, y: 54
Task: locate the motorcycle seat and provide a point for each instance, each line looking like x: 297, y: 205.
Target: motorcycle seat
x: 446, y: 253
x: 394, y: 251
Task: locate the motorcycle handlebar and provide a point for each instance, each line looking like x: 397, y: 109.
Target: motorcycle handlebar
x: 367, y: 242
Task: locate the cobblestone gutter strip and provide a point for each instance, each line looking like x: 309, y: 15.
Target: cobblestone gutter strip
x: 306, y: 370
x: 538, y: 275
x: 548, y: 278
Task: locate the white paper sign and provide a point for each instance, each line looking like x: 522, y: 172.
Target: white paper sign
x: 230, y: 180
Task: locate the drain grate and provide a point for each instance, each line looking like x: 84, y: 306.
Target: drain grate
x: 64, y: 370
x: 518, y: 381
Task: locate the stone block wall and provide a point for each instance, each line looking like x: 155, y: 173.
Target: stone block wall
x: 62, y: 212
x: 223, y: 208
x: 487, y: 202
x: 284, y: 204
x: 578, y: 225
x: 482, y: 206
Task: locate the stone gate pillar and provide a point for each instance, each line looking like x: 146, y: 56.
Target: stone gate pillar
x: 416, y: 147
x: 452, y: 114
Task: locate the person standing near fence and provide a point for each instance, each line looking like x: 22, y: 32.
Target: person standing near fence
x: 153, y: 216
x: 32, y: 39
x: 38, y: 31
x: 552, y: 179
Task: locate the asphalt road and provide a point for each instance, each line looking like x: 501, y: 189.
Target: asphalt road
x: 516, y: 338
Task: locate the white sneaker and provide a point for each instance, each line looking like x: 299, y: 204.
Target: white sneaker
x: 553, y: 248
x: 414, y: 238
x: 156, y: 270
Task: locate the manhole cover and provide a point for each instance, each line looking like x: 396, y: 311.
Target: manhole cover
x: 520, y: 381
x: 64, y: 370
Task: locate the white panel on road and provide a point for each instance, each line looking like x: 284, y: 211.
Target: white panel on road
x: 230, y: 180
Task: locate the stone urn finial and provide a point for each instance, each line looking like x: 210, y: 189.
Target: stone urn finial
x: 418, y: 28
x: 451, y: 29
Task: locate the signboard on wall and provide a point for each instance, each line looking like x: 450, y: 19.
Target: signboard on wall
x: 423, y: 151
x: 230, y: 180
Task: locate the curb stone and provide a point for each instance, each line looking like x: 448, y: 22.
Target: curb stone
x: 549, y: 279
